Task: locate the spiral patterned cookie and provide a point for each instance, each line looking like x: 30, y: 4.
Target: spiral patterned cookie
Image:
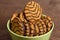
x: 32, y: 11
x: 22, y: 18
x: 48, y: 22
x: 41, y: 27
x: 32, y: 29
x: 27, y: 29
x: 17, y: 25
x: 14, y: 15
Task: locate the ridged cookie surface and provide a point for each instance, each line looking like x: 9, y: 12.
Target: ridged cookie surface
x: 32, y: 11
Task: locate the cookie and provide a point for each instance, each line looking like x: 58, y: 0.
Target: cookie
x: 48, y: 22
x: 32, y: 11
x: 41, y: 26
x: 22, y: 18
x: 14, y: 15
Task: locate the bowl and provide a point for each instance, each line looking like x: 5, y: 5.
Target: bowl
x: 15, y: 36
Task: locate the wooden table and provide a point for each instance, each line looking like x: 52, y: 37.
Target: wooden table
x: 50, y: 8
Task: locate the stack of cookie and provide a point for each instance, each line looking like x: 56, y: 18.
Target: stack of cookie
x: 31, y: 22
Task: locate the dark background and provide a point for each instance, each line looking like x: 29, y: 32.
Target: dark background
x: 50, y: 8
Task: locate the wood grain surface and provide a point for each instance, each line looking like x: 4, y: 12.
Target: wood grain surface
x: 50, y: 8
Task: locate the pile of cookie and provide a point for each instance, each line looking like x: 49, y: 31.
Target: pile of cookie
x: 31, y: 21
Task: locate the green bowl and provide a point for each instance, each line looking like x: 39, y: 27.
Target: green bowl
x: 15, y: 36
